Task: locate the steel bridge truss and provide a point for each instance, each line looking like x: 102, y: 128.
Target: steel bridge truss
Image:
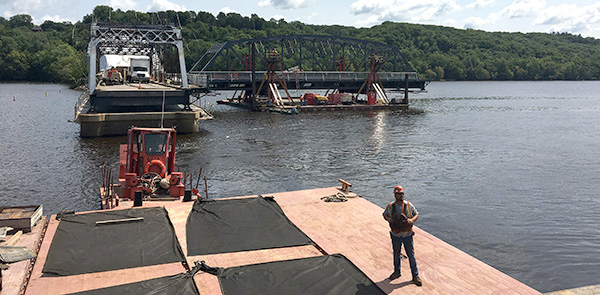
x: 132, y: 40
x: 303, y: 53
x: 304, y: 62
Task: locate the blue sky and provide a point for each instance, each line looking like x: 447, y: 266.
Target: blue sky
x: 577, y: 17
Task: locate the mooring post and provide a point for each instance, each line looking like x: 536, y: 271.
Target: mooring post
x: 405, y: 100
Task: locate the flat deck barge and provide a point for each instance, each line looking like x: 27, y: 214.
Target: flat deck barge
x: 318, y: 108
x: 354, y: 228
x: 110, y: 110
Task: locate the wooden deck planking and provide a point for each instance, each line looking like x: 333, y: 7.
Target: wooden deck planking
x: 209, y: 284
x: 362, y: 235
x: 135, y: 87
x: 39, y: 284
x: 354, y: 229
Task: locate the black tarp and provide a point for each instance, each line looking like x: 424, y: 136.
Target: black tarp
x: 220, y: 226
x: 80, y: 245
x: 332, y: 274
x: 180, y: 284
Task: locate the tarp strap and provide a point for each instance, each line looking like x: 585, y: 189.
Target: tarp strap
x: 268, y: 198
x: 202, y: 266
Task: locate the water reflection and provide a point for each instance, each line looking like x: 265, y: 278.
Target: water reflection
x: 378, y: 137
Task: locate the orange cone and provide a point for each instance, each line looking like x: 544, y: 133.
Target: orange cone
x: 140, y: 85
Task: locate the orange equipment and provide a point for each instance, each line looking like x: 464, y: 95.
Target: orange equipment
x: 146, y: 159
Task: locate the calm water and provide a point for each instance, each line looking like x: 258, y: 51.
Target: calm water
x: 506, y: 171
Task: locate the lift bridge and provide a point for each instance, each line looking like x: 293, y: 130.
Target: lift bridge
x: 261, y: 67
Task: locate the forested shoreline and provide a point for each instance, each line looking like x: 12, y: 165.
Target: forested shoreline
x: 56, y: 52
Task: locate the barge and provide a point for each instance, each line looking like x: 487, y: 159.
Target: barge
x: 122, y: 92
x: 302, y: 108
x: 353, y: 229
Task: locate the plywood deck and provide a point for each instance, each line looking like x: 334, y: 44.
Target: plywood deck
x: 357, y: 230
x: 354, y: 229
x: 135, y: 87
x: 40, y: 284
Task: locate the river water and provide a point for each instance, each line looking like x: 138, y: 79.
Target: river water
x: 506, y: 171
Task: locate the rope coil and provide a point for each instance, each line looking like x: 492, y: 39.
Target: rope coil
x: 339, y: 197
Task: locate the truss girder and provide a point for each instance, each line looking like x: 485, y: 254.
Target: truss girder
x: 319, y: 53
x: 137, y: 34
x: 132, y: 40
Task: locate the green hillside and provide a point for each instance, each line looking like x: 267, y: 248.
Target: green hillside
x: 57, y: 52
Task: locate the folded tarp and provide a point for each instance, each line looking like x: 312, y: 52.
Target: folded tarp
x: 332, y: 274
x: 110, y: 240
x: 220, y: 226
x: 180, y: 284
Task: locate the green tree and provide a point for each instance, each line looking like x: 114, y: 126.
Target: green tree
x: 14, y: 66
x: 102, y: 13
x: 21, y: 20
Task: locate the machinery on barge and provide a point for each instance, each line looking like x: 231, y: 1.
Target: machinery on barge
x: 146, y: 169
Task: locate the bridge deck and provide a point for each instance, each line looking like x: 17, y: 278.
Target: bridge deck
x: 139, y: 87
x: 348, y: 81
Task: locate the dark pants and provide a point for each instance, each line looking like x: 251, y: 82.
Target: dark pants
x: 410, y: 252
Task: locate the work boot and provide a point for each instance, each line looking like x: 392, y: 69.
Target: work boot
x: 394, y: 276
x: 418, y: 281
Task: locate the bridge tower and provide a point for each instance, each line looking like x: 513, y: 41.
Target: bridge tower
x: 273, y: 64
x: 373, y: 82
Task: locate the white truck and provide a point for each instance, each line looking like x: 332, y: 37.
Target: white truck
x: 136, y: 66
x: 139, y: 68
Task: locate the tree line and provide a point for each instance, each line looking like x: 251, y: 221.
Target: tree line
x: 57, y: 51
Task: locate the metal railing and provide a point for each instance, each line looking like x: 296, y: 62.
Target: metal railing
x: 204, y: 78
x: 81, y: 102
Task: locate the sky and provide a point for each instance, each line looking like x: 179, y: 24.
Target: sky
x: 576, y: 17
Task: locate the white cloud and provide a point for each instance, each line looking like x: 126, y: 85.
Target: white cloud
x: 25, y: 6
x: 523, y: 8
x: 285, y: 4
x: 311, y: 16
x: 55, y: 18
x: 162, y: 5
x: 450, y: 22
x: 123, y: 4
x: 480, y: 3
x: 227, y: 10
x: 378, y: 11
x: 474, y: 22
x: 570, y: 18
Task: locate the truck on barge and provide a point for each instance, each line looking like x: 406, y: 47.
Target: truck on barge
x: 134, y: 89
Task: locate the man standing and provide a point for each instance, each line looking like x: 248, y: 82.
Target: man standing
x: 401, y: 215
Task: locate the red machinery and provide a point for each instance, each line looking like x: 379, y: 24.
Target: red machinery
x: 147, y: 164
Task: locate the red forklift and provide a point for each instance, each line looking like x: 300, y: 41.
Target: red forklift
x: 147, y: 166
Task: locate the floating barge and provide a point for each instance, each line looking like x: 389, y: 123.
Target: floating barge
x: 354, y: 229
x: 112, y: 109
x: 117, y: 99
x: 294, y: 109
